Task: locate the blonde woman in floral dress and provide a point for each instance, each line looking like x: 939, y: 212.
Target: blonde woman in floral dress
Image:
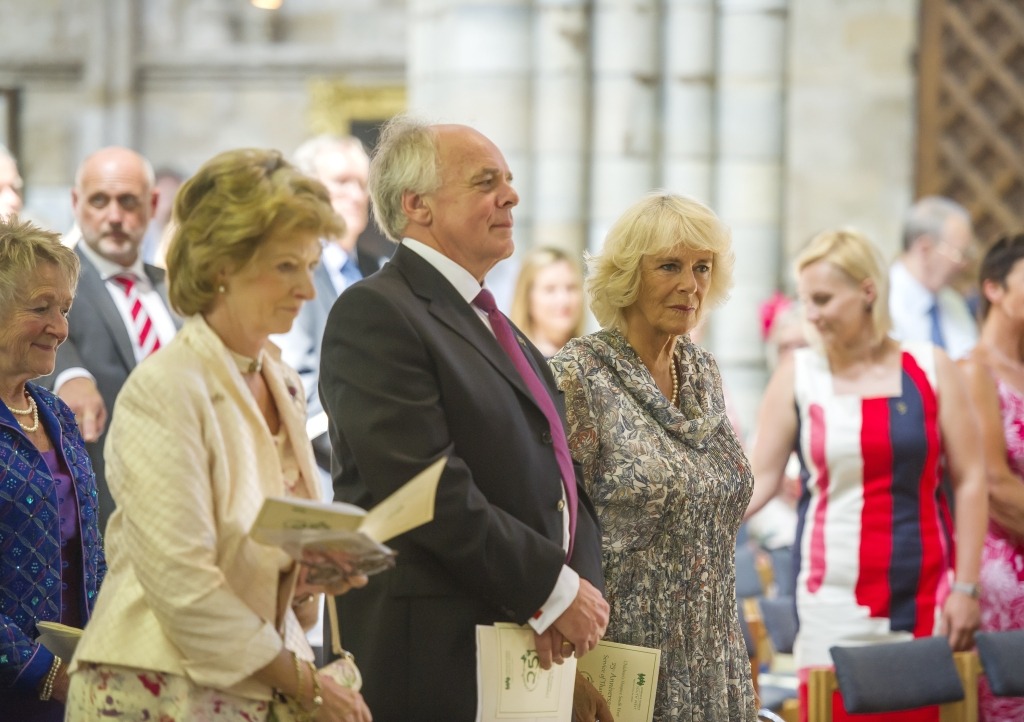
x: 661, y: 462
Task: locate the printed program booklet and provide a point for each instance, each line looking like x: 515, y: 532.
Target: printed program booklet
x: 301, y: 525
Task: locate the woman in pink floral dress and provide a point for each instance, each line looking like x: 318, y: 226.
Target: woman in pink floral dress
x: 996, y: 372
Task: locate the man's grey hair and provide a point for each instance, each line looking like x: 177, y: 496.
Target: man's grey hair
x: 306, y: 154
x: 928, y: 217
x: 406, y: 160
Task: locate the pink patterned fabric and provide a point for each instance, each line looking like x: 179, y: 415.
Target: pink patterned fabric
x: 1002, y: 564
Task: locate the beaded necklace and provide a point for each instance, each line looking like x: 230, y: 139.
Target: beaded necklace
x: 32, y: 409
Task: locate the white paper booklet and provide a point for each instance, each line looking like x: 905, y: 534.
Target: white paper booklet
x: 510, y: 683
x: 626, y: 676
x: 298, y: 525
x: 59, y: 638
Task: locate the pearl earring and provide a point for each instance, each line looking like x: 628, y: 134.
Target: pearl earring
x: 221, y: 289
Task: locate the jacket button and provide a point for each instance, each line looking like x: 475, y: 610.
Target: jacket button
x: 561, y: 505
x: 546, y: 436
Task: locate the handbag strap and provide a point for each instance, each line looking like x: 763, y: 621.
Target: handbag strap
x: 332, y: 615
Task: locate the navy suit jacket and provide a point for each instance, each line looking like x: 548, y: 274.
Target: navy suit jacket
x: 409, y: 374
x: 98, y: 341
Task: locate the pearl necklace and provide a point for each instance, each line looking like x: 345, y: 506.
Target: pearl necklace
x: 32, y: 409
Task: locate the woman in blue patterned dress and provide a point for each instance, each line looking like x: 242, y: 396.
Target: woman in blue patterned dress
x: 666, y: 473
x: 51, y: 558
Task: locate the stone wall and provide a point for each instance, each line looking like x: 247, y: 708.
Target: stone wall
x: 179, y: 80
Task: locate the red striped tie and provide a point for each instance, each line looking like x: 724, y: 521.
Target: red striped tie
x: 145, y: 334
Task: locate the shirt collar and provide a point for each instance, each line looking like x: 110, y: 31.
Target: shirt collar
x: 463, y: 281
x: 907, y: 291
x: 108, y: 269
x: 334, y: 256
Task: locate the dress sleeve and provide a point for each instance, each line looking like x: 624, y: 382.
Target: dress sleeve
x: 584, y: 440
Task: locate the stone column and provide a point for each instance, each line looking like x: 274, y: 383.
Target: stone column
x: 108, y: 111
x: 748, y: 191
x: 625, y: 109
x: 687, y: 122
x: 561, y: 123
x: 469, y: 62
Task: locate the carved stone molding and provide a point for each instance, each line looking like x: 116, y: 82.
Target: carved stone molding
x: 335, y: 103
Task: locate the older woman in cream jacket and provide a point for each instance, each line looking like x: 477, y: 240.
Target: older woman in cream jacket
x: 197, y: 620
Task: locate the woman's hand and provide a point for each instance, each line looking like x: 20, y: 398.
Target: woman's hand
x: 341, y: 704
x: 960, y: 619
x: 60, y: 684
x: 340, y: 575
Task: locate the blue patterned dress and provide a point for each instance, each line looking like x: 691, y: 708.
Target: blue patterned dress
x: 33, y: 587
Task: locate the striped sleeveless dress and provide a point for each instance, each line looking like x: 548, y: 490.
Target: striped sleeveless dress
x: 872, y: 555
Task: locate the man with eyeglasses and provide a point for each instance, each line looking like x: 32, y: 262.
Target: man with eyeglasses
x: 938, y: 241
x: 121, y: 313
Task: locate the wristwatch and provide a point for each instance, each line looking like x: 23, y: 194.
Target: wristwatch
x: 971, y: 590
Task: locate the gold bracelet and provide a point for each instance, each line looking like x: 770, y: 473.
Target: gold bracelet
x: 51, y: 677
x: 318, y: 697
x: 298, y: 676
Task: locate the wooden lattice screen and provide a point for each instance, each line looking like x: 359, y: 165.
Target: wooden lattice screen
x: 970, y: 139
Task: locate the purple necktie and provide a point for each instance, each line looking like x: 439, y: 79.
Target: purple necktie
x: 503, y: 332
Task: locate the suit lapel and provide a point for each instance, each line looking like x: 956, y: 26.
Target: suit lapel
x: 448, y: 307
x: 91, y: 286
x: 288, y: 400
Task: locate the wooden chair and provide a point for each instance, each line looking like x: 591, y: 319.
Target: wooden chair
x: 899, y: 688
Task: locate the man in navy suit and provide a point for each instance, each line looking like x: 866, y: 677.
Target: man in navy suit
x: 120, y: 314
x: 411, y: 371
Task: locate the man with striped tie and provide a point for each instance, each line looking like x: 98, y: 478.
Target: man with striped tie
x: 120, y: 314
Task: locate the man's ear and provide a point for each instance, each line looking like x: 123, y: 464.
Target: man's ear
x: 416, y: 208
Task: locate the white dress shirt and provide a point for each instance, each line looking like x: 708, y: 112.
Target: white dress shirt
x: 568, y: 583
x: 910, y: 304
x: 150, y: 298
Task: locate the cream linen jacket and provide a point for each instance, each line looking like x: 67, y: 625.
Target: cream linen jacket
x: 189, y: 462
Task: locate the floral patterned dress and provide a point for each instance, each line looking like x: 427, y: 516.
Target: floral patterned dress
x: 670, y: 486
x: 1002, y: 563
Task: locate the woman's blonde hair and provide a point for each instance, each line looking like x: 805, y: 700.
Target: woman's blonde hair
x: 659, y: 222
x: 857, y: 257
x: 23, y: 246
x: 225, y: 212
x: 534, y: 262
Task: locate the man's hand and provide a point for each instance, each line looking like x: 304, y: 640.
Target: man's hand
x: 552, y: 647
x: 85, y: 401
x: 587, y: 703
x: 584, y: 622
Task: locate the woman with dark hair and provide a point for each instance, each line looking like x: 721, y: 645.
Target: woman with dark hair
x: 995, y: 372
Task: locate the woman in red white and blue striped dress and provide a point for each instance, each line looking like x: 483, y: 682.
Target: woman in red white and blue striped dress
x: 871, y: 420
